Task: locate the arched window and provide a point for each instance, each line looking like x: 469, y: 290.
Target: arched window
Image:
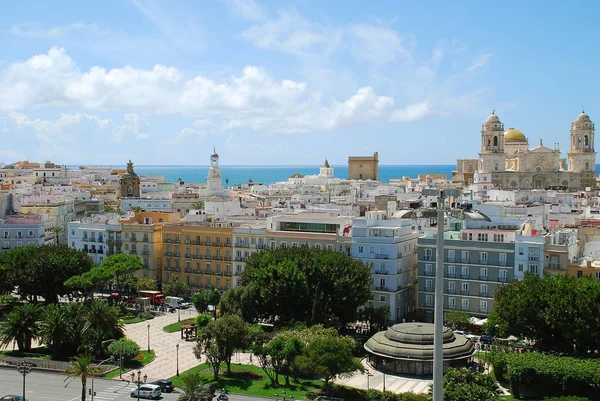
x: 495, y: 141
x: 579, y: 141
x: 585, y: 140
x: 489, y: 145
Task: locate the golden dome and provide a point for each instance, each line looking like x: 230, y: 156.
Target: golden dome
x: 512, y: 134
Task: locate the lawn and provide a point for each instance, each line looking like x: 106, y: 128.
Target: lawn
x: 132, y: 365
x: 175, y: 327
x: 137, y: 319
x: 249, y: 379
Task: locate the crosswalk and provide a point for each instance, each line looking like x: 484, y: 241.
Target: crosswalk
x: 111, y: 393
x: 117, y: 391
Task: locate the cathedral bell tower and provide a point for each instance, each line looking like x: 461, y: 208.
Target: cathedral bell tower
x: 492, y: 157
x: 582, y: 156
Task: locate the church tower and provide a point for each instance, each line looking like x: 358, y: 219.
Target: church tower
x: 492, y: 157
x: 130, y: 183
x: 215, y: 185
x: 326, y: 170
x: 582, y: 156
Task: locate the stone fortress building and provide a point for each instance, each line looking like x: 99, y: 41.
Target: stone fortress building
x: 506, y: 161
x: 363, y: 167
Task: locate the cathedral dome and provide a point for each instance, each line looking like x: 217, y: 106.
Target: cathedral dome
x: 512, y: 134
x: 493, y: 118
x: 583, y: 118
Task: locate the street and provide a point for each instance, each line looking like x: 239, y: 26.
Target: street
x: 42, y: 386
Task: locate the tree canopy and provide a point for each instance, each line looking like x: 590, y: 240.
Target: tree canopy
x: 176, y: 287
x: 304, y: 285
x: 42, y: 271
x: 466, y: 385
x: 560, y: 313
x: 458, y: 319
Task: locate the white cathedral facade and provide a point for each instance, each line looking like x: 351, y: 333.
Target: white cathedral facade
x: 506, y: 160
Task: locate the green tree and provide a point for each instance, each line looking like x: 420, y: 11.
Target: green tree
x: 22, y: 325
x: 83, y: 368
x: 124, y: 348
x: 191, y: 385
x: 198, y: 205
x: 146, y: 283
x: 214, y: 297
x: 230, y: 302
x: 327, y: 357
x: 62, y: 328
x: 175, y: 286
x: 228, y: 333
x: 466, y: 385
x: 377, y: 317
x: 200, y: 301
x: 207, y: 346
x: 458, y: 319
x: 117, y: 270
x: 57, y: 232
x: 203, y: 319
x: 278, y: 355
x: 102, y: 324
x: 303, y: 285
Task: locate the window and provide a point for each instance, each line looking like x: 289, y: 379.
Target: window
x: 502, y: 259
x: 464, y: 272
x: 371, y: 249
x: 428, y: 254
x: 294, y: 245
x: 429, y: 285
x: 533, y: 269
x: 464, y: 288
x: 520, y: 250
x: 483, y: 273
x: 272, y: 244
x: 483, y: 306
x: 483, y: 258
x: 520, y: 267
x: 597, y: 275
x: 464, y: 256
x: 465, y: 304
x: 428, y: 270
x: 451, y: 271
x: 482, y: 237
x: 382, y: 298
x: 483, y: 290
x: 428, y: 300
x: 502, y: 276
x: 329, y: 247
x: 452, y: 303
x: 451, y: 287
x: 319, y: 246
x: 19, y: 234
x: 361, y: 249
x: 6, y: 234
x: 534, y: 253
x: 451, y: 255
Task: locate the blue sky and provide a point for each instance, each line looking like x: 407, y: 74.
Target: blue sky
x: 288, y: 82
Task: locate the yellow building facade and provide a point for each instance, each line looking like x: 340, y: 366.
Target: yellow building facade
x: 200, y: 254
x: 142, y: 235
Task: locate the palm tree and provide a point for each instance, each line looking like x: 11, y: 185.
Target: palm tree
x: 54, y: 329
x: 102, y: 323
x: 190, y: 384
x: 22, y: 325
x: 82, y: 367
x: 57, y: 231
x: 198, y: 205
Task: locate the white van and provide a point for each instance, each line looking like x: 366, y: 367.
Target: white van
x: 150, y: 391
x: 176, y: 302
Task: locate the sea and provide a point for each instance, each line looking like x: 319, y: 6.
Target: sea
x: 270, y: 174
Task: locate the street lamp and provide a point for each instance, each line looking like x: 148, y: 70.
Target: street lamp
x: 383, y: 371
x: 177, y: 348
x: 24, y: 368
x: 464, y: 213
x: 138, y: 382
x: 92, y: 393
x: 291, y: 397
x: 276, y: 396
x: 148, y: 337
x: 283, y: 395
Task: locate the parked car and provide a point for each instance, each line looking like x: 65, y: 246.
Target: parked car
x: 462, y: 333
x: 486, y: 339
x: 150, y: 391
x: 166, y: 385
x: 11, y: 397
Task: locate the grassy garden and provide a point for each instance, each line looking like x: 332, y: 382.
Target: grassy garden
x: 176, y: 327
x: 142, y: 359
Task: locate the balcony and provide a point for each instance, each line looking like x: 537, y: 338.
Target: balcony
x: 84, y: 239
x: 464, y: 276
x: 241, y: 258
x: 450, y: 259
x: 261, y: 246
x: 428, y: 289
x: 168, y: 240
x: 465, y: 308
x: 133, y: 252
x: 381, y: 256
x: 452, y: 307
x: 207, y: 257
x: 100, y: 251
x: 177, y: 254
x: 168, y: 253
x: 451, y: 274
x: 451, y: 291
x: 429, y: 304
x: 207, y: 271
x: 464, y: 260
x: 92, y: 251
x: 197, y: 242
x: 502, y: 263
x: 188, y: 270
x: 242, y: 245
x: 188, y: 242
x: 100, y: 239
x: 381, y: 272
x: 218, y: 273
x: 554, y: 266
x: 228, y: 245
x: 197, y: 256
x: 198, y: 271
x: 133, y: 239
x: 484, y: 278
x: 428, y: 258
x: 145, y: 239
x: 502, y: 279
x: 483, y: 294
x: 483, y: 310
x: 146, y: 252
x: 218, y: 257
x: 534, y: 259
x: 381, y: 288
x: 188, y: 256
x: 207, y: 243
x: 483, y: 261
x: 464, y: 292
x: 217, y: 244
x: 227, y: 258
x: 228, y: 273
x: 429, y: 273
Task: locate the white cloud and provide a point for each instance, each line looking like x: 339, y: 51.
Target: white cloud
x: 377, y: 44
x: 247, y: 9
x: 33, y: 30
x: 251, y: 100
x: 480, y: 62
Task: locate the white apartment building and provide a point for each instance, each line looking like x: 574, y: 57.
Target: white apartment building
x: 247, y: 239
x: 60, y: 208
x: 389, y: 247
x: 91, y: 235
